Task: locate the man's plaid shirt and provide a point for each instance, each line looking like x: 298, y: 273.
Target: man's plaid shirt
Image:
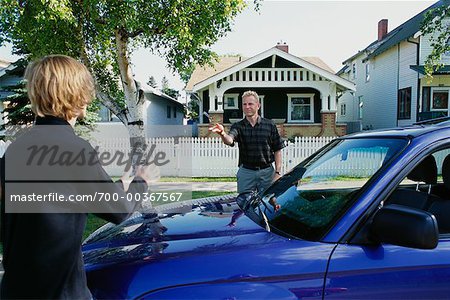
x: 256, y: 144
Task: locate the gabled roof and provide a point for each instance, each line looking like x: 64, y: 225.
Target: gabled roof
x: 202, y: 73
x: 397, y: 35
x: 318, y: 62
x: 150, y: 90
x: 214, y: 74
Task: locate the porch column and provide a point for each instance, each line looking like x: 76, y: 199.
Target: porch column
x: 324, y: 100
x: 212, y: 103
x: 220, y: 103
x: 328, y: 113
x: 200, y: 108
x: 216, y: 116
x: 332, y: 93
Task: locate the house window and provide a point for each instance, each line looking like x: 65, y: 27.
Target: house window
x: 174, y: 111
x: 354, y: 70
x: 343, y: 109
x: 360, y: 107
x: 169, y: 108
x: 367, y: 71
x: 301, y: 107
x: 404, y: 104
x: 439, y: 99
x: 231, y: 101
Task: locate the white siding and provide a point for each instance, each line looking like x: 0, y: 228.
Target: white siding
x: 157, y: 111
x: 350, y: 113
x: 408, y: 77
x: 380, y: 92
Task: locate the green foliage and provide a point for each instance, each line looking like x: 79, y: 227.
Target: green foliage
x: 179, y: 30
x: 192, y: 110
x: 152, y: 82
x: 17, y: 106
x: 436, y: 25
x: 166, y: 89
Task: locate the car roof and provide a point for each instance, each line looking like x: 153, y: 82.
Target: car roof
x: 412, y: 131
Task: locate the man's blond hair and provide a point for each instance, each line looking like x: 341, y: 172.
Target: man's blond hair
x: 59, y: 86
x: 251, y: 93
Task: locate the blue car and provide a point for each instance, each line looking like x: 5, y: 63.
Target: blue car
x: 365, y: 217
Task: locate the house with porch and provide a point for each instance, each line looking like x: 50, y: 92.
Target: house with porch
x: 298, y: 93
x: 391, y: 86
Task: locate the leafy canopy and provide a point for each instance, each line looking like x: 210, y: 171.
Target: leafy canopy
x: 436, y: 23
x: 181, y: 31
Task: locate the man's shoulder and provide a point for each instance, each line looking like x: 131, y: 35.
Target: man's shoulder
x: 267, y: 121
x: 239, y: 123
x: 49, y: 136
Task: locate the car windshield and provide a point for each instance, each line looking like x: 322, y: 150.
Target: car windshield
x: 313, y: 195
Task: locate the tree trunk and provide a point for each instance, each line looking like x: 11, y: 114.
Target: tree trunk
x: 134, y: 97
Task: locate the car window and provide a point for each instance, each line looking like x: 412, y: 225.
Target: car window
x: 312, y: 199
x: 427, y: 187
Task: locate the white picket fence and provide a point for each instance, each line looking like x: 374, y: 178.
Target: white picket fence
x: 206, y: 157
x: 198, y: 157
x: 209, y: 157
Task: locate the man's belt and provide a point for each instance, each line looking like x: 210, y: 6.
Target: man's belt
x: 255, y: 168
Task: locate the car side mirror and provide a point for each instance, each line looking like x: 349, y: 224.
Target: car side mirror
x: 405, y: 226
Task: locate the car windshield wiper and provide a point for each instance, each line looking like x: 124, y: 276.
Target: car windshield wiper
x: 264, y: 217
x: 253, y: 200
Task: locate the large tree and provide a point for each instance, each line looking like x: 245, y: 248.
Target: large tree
x: 104, y: 33
x: 436, y: 24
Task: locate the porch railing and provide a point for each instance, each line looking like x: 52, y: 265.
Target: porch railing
x: 275, y: 74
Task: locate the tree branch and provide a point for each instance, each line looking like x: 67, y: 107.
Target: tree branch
x: 112, y: 106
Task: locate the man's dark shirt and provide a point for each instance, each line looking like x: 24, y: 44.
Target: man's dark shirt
x: 42, y: 254
x: 258, y: 143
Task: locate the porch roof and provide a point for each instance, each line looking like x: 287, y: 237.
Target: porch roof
x: 444, y: 70
x: 315, y: 65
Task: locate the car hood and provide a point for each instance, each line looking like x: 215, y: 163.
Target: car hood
x: 149, y: 235
x: 213, y: 241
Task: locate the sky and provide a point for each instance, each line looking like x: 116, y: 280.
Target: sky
x: 331, y: 30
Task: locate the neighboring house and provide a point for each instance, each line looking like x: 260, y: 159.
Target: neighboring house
x: 5, y: 81
x: 160, y: 109
x: 391, y: 89
x: 299, y: 94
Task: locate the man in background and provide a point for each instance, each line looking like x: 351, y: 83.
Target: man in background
x: 259, y: 145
